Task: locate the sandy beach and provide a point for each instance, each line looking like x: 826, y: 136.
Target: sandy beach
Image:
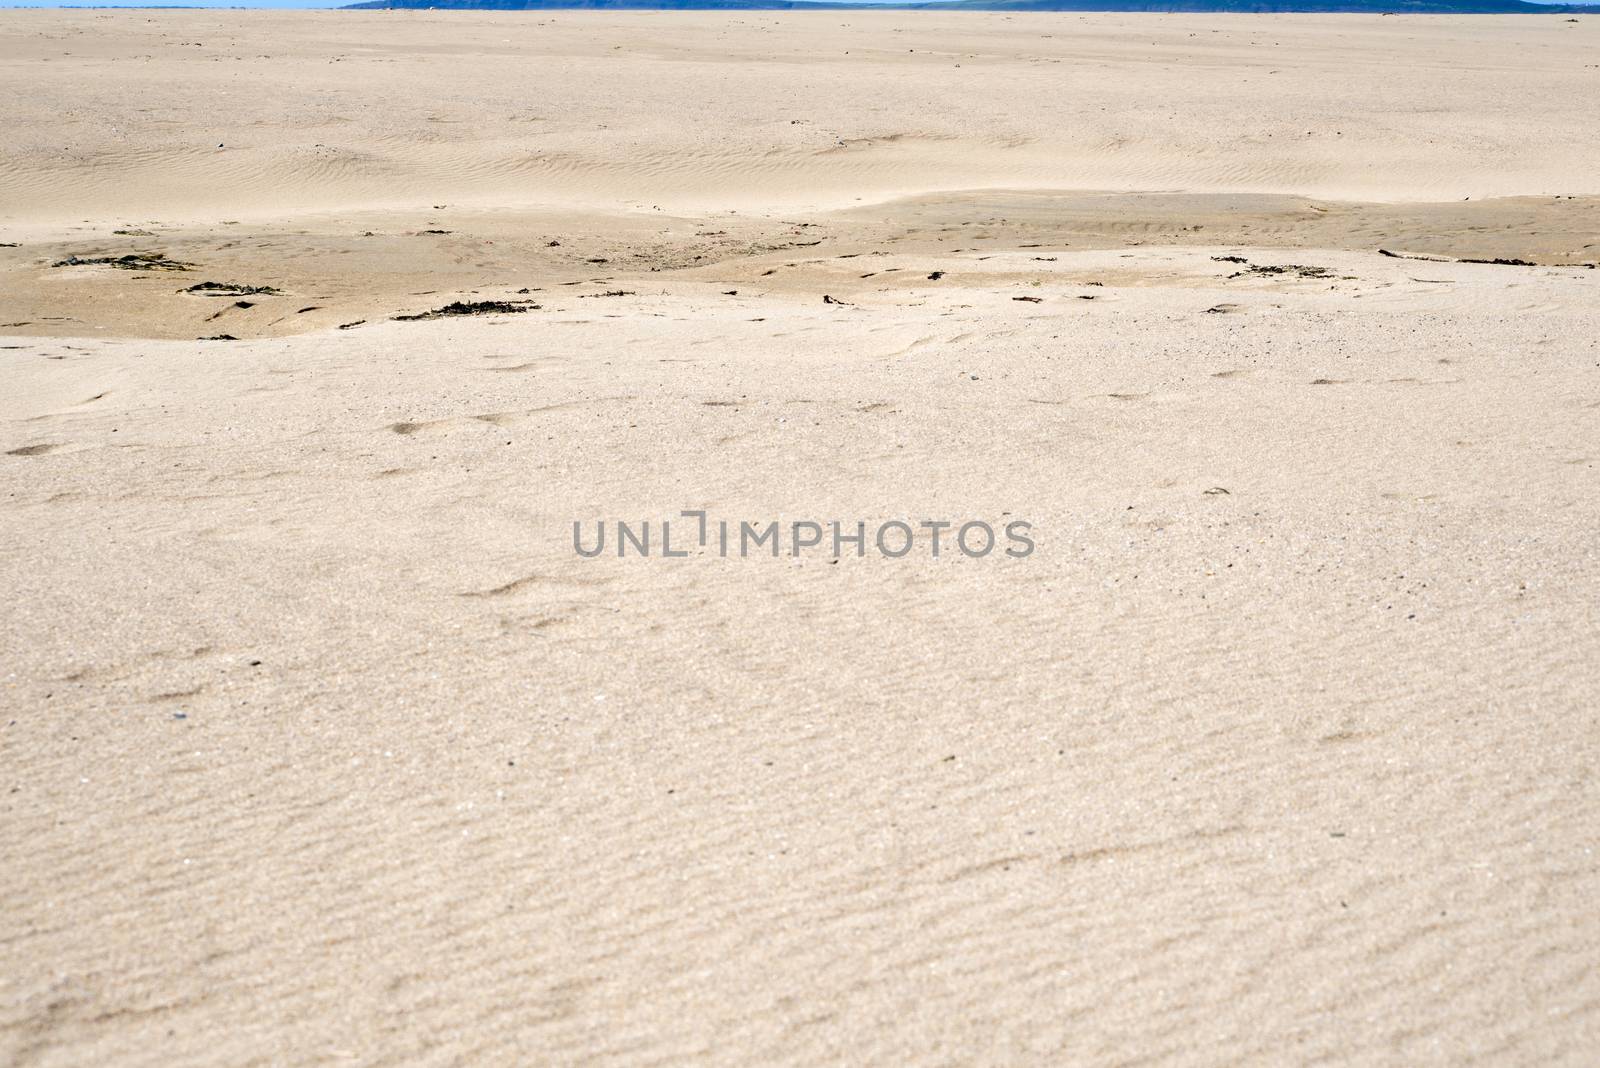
x: 320, y: 744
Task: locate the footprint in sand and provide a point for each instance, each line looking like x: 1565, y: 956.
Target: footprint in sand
x: 407, y: 428
x: 516, y: 585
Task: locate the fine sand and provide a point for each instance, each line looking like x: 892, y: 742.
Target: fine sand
x: 320, y: 744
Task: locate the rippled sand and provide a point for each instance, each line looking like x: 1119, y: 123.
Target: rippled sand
x: 321, y: 745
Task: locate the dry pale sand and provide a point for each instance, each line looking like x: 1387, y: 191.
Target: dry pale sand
x: 320, y: 745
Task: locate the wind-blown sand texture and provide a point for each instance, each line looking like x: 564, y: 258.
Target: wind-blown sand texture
x: 320, y: 745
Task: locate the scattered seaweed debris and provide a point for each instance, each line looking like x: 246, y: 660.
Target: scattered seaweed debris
x: 131, y: 232
x: 470, y: 307
x: 1408, y: 256
x: 421, y: 232
x: 133, y: 261
x: 1030, y: 300
x: 610, y: 293
x: 935, y: 276
x: 349, y: 326
x: 1292, y: 269
x: 218, y: 337
x: 230, y: 289
x: 9, y: 244
x: 1299, y: 269
x: 1496, y: 262
x: 833, y: 300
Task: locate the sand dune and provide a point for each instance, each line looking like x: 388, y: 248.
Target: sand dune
x: 406, y: 109
x: 322, y: 745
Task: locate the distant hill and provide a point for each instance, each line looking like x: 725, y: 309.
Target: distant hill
x: 1370, y: 7
x: 602, y: 5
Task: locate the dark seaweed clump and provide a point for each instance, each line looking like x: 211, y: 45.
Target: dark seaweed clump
x: 470, y: 307
x: 1285, y: 268
x: 1436, y: 259
x: 229, y: 289
x: 133, y: 261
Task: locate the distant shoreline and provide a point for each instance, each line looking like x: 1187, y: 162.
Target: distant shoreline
x: 1367, y: 7
x: 1153, y: 7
